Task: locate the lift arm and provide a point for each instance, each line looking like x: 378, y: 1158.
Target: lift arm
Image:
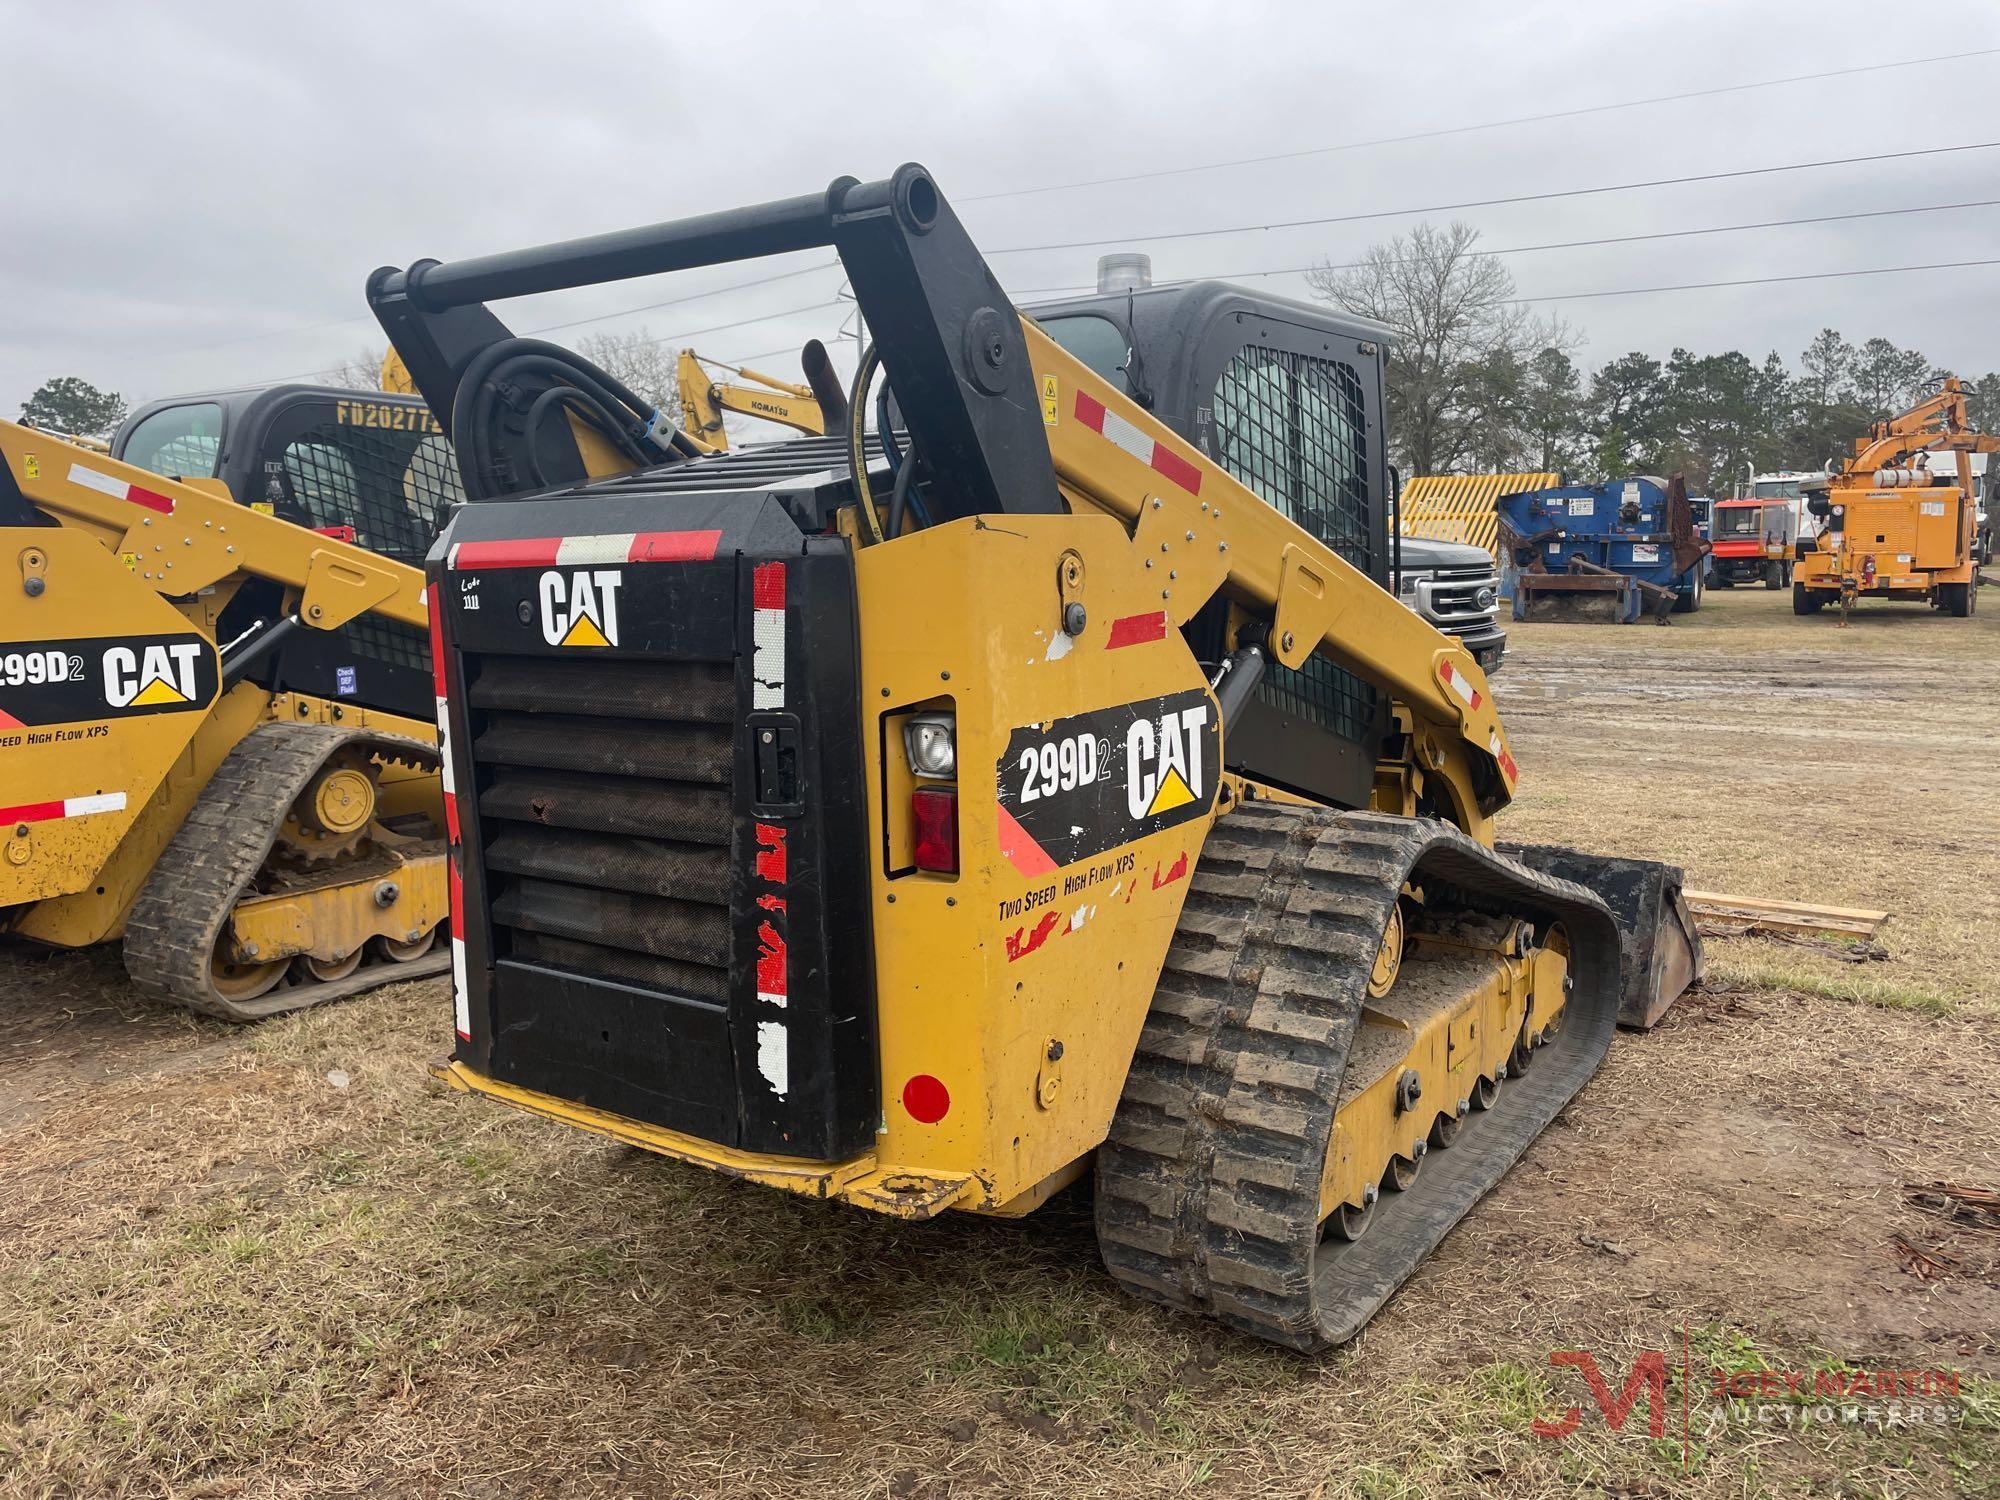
x: 181, y: 538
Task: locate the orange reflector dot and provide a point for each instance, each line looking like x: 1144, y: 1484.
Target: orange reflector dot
x: 927, y: 1099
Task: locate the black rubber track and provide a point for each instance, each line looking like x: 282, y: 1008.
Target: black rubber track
x: 1208, y: 1187
x: 212, y: 862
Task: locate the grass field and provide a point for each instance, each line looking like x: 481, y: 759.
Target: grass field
x: 284, y: 1262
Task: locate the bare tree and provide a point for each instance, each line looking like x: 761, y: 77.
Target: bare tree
x: 1456, y: 324
x: 360, y: 371
x: 644, y: 363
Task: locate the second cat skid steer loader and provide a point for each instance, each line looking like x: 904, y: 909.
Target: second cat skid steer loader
x: 915, y: 820
x: 216, y: 732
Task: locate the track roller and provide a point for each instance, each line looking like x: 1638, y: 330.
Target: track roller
x: 292, y: 809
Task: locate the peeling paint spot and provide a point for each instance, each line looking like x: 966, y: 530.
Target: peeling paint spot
x: 1060, y: 646
x: 1020, y: 947
x: 1178, y: 871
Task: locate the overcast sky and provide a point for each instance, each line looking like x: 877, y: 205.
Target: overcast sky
x: 196, y: 191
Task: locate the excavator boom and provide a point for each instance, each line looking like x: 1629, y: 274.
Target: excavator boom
x: 704, y: 400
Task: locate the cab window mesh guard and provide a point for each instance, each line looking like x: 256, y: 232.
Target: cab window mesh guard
x: 1292, y: 427
x: 392, y: 487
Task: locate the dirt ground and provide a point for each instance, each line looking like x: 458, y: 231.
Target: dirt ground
x: 284, y: 1262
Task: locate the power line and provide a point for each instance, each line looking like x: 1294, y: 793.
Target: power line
x: 1280, y: 156
x: 738, y: 286
x: 1701, y: 286
x: 791, y: 312
x: 1617, y: 239
x: 1451, y: 130
x: 1439, y: 133
x: 1439, y: 208
x: 734, y: 286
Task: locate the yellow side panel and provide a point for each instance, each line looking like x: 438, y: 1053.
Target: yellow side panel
x: 95, y: 912
x: 102, y: 685
x: 1882, y: 524
x: 1018, y: 987
x: 1940, y: 527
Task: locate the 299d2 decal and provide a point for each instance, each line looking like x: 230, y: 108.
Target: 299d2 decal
x: 68, y: 682
x: 1081, y: 785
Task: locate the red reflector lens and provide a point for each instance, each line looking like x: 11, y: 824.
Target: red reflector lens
x: 927, y: 1099
x: 935, y: 813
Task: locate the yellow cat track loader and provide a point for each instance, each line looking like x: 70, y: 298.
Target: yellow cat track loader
x: 1041, y: 783
x: 217, y: 735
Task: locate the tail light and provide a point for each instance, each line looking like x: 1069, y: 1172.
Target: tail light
x: 1868, y: 570
x: 934, y: 812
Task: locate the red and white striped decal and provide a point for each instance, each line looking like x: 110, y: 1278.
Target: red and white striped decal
x: 767, y: 635
x: 63, y: 807
x: 461, y: 1001
x: 1136, y: 630
x: 1452, y: 678
x: 433, y: 604
x: 118, y: 489
x: 1500, y: 753
x: 774, y: 1054
x: 461, y: 998
x: 1155, y: 455
x: 773, y: 986
x: 567, y: 551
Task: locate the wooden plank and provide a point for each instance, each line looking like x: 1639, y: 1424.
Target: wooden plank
x: 1714, y: 923
x: 1794, y: 908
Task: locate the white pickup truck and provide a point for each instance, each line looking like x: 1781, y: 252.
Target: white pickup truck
x: 1457, y: 588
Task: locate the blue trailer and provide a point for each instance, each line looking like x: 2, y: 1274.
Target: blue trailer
x: 1616, y: 551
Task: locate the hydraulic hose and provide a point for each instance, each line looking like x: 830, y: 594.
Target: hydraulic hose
x: 579, y: 402
x: 597, y: 398
x: 899, y: 495
x: 857, y: 446
x: 887, y: 432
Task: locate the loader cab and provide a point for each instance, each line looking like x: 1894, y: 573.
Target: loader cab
x: 1288, y: 398
x: 365, y: 467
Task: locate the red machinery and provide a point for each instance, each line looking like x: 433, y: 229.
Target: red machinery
x: 1751, y: 540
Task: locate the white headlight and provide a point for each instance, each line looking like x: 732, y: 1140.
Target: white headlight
x: 931, y: 740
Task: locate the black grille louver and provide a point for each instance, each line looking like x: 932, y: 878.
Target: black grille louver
x: 684, y: 930
x: 685, y: 692
x: 608, y: 813
x: 663, y: 852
